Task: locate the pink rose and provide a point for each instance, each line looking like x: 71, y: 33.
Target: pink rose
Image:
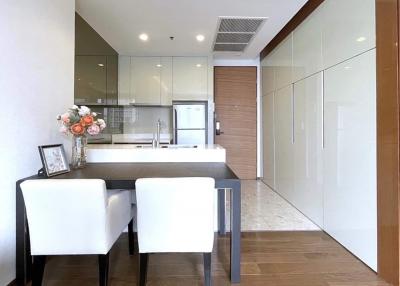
x: 93, y: 129
x: 65, y: 118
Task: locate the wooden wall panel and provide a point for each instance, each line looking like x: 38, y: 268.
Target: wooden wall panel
x: 387, y: 32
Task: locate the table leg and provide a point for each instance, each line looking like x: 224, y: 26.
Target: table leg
x: 22, y: 247
x: 235, y: 231
x: 221, y: 212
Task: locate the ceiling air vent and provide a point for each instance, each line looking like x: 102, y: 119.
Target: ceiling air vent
x: 235, y: 33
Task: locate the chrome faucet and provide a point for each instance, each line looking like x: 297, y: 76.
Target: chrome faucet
x: 158, y: 133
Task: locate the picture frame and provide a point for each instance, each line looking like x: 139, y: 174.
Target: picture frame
x: 53, y: 159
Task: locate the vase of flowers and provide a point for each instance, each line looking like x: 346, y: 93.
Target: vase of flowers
x: 80, y: 122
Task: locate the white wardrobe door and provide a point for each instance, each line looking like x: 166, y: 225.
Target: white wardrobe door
x: 308, y: 195
x: 348, y: 29
x: 268, y: 74
x: 268, y: 139
x: 350, y: 213
x: 283, y: 142
x: 283, y: 63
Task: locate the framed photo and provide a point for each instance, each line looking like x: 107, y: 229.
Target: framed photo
x: 53, y: 159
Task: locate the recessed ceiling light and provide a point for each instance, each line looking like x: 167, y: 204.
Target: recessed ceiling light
x: 361, y: 39
x: 347, y: 67
x: 158, y: 65
x: 100, y: 65
x: 200, y: 38
x: 198, y: 65
x: 143, y: 37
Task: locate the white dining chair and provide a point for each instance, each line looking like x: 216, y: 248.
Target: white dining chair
x: 175, y: 215
x: 75, y: 217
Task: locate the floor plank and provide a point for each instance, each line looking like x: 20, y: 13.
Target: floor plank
x: 282, y: 258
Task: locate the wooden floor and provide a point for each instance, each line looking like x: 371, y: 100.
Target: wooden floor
x: 268, y: 258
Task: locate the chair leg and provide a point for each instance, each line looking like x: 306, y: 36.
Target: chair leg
x: 39, y: 262
x: 104, y: 262
x: 143, y: 264
x: 131, y: 238
x: 207, y: 269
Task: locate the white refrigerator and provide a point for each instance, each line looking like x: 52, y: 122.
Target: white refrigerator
x: 190, y: 122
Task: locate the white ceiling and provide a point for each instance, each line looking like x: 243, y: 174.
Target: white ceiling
x: 120, y: 22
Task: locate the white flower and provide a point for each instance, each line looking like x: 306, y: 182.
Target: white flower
x: 101, y: 123
x: 64, y: 129
x: 75, y: 107
x: 94, y: 114
x: 84, y: 110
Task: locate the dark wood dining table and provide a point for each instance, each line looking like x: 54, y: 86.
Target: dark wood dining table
x: 123, y: 176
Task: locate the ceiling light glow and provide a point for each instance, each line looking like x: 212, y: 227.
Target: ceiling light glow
x: 198, y: 65
x: 200, y: 38
x: 143, y: 37
x: 158, y: 65
x: 100, y: 65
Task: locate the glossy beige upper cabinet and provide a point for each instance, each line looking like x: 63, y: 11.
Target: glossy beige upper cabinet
x: 166, y: 81
x: 307, y: 48
x: 308, y: 193
x: 145, y: 80
x: 190, y: 78
x: 268, y: 139
x: 268, y: 74
x: 283, y: 62
x: 348, y: 29
x: 90, y: 79
x: 124, y: 78
x: 283, y: 118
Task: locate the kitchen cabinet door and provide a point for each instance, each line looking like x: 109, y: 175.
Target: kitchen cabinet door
x: 268, y: 139
x: 307, y: 48
x: 348, y: 29
x: 284, y: 168
x: 166, y: 81
x: 145, y: 80
x: 308, y: 190
x: 112, y: 80
x: 268, y: 74
x: 124, y: 78
x: 90, y: 80
x: 350, y: 212
x: 283, y: 62
x: 190, y: 78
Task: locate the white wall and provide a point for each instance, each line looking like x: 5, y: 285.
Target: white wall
x: 36, y: 84
x: 253, y: 62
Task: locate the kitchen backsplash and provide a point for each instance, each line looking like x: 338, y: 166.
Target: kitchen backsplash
x: 135, y: 119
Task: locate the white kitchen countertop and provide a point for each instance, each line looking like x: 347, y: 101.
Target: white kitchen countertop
x: 174, y: 153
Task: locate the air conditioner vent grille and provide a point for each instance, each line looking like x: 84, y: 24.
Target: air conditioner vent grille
x: 234, y: 37
x: 235, y: 33
x: 247, y: 25
x: 229, y: 47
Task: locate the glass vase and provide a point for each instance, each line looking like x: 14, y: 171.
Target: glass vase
x: 78, y: 160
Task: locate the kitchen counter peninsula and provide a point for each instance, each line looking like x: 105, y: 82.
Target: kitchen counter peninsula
x: 97, y: 153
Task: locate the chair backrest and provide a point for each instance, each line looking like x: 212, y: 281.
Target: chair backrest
x: 66, y: 216
x: 175, y: 214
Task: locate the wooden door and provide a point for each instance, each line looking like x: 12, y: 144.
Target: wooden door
x: 235, y: 96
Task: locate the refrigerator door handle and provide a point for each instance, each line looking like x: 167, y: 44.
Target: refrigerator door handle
x: 175, y: 126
